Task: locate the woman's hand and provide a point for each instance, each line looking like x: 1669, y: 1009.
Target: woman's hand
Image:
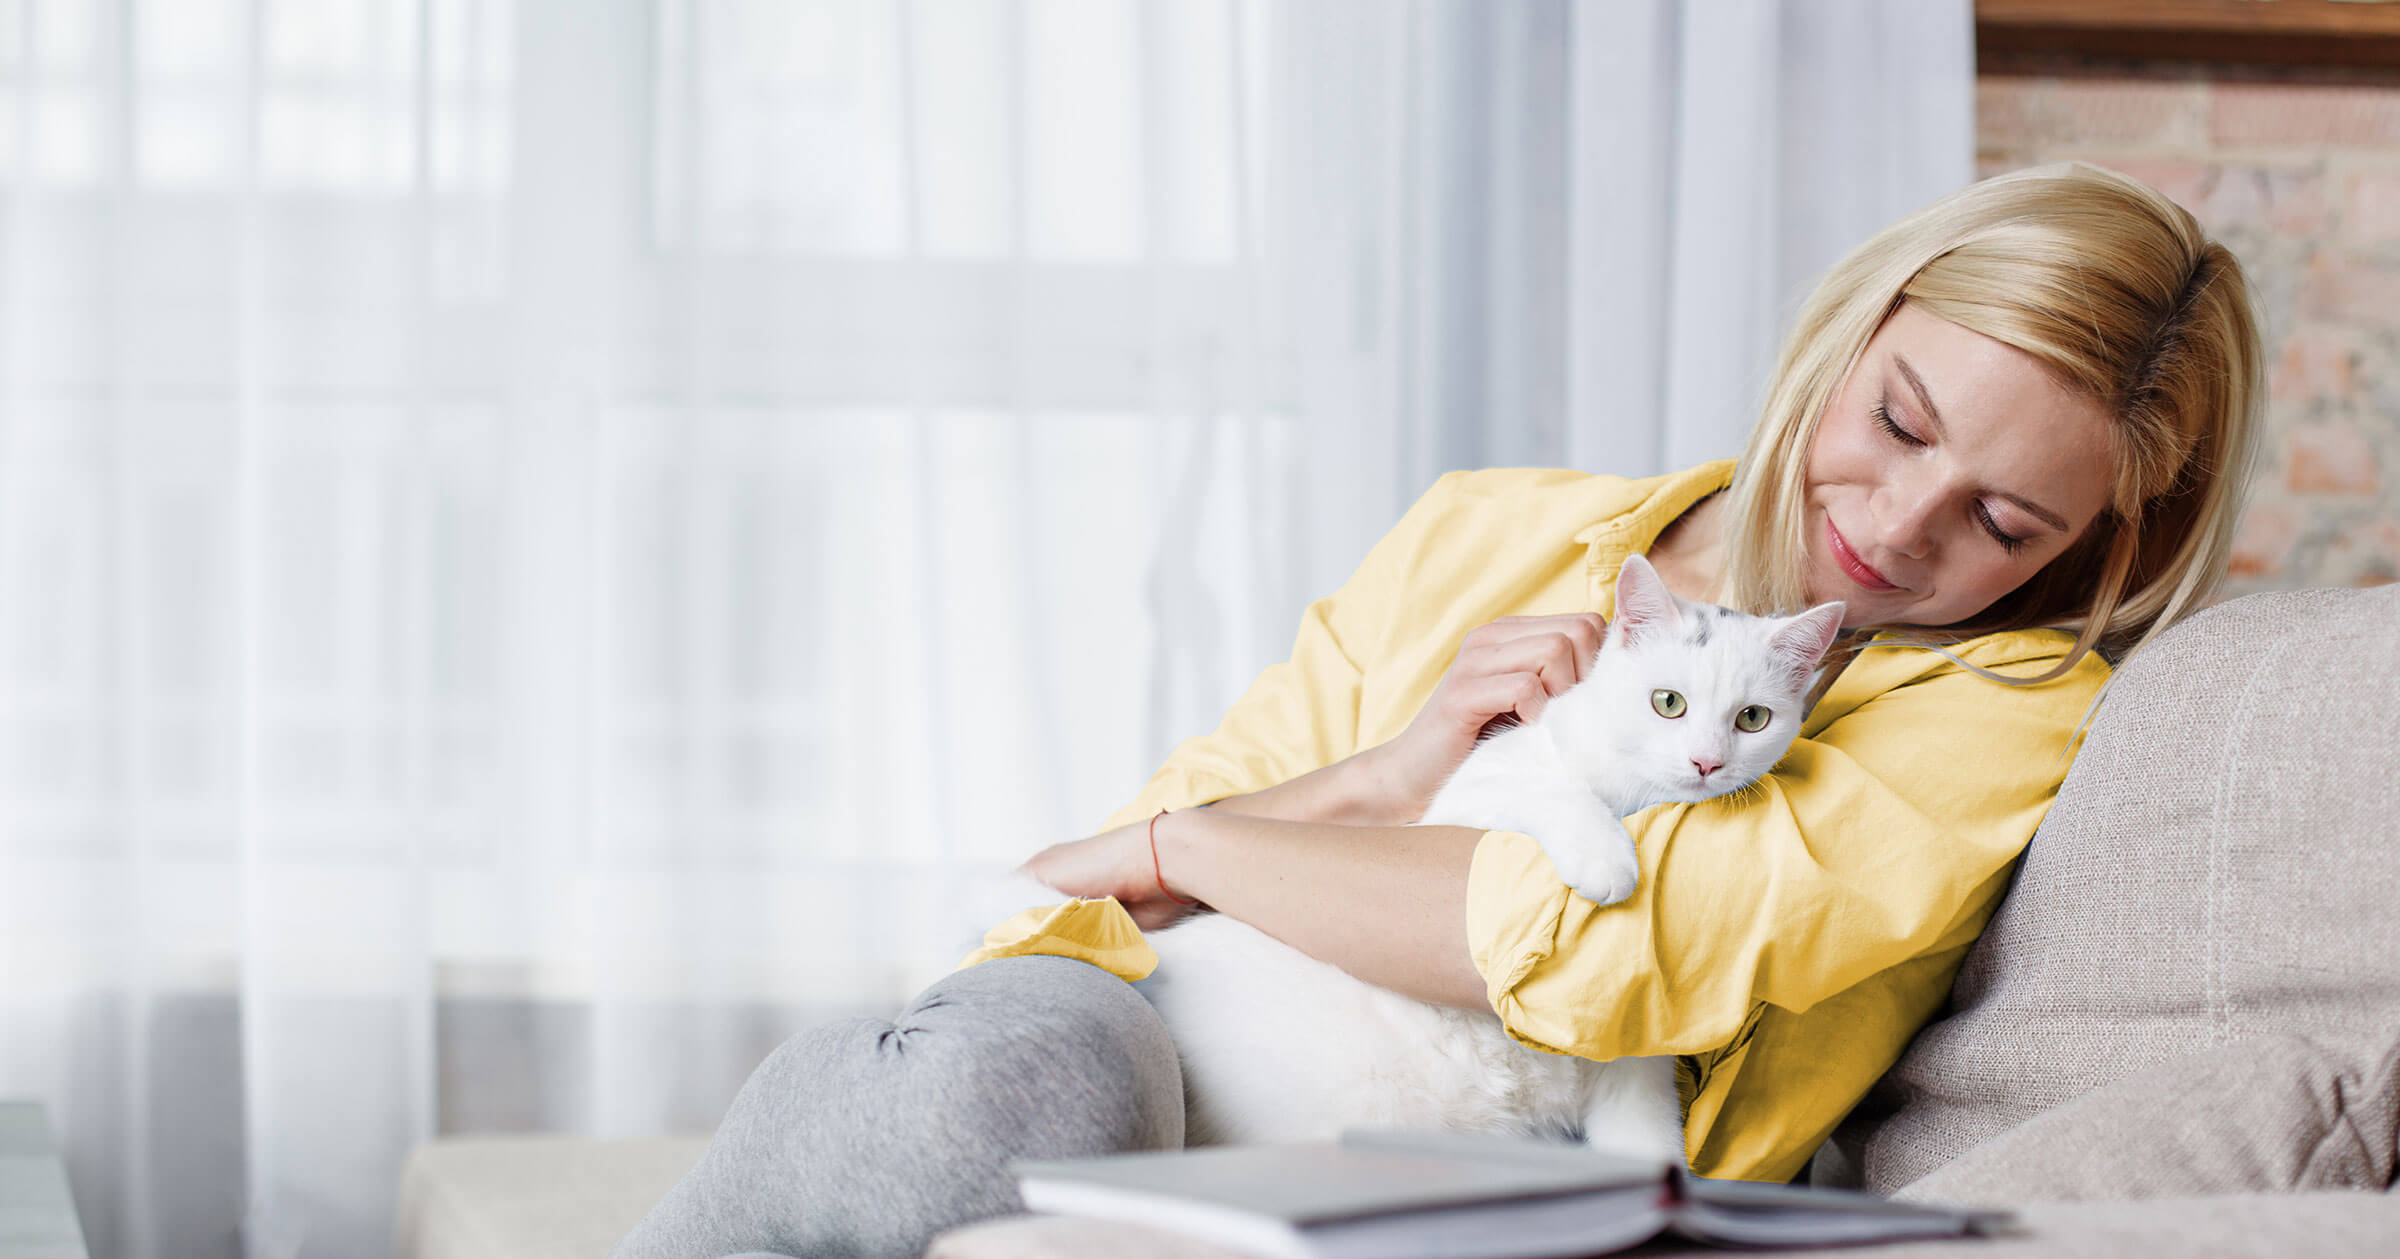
x: 1508, y: 669
x: 1112, y: 863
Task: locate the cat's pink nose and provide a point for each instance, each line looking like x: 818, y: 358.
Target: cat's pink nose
x: 1706, y: 766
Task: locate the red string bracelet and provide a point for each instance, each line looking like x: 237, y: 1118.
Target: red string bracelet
x: 1154, y: 867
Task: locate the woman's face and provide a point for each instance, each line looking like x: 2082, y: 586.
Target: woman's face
x: 1948, y: 470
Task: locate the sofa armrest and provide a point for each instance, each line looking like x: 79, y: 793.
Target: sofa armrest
x: 532, y: 1197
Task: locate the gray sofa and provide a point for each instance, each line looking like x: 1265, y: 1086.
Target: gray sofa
x: 2179, y: 1035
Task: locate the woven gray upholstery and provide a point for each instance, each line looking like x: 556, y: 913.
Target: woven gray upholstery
x: 2218, y: 875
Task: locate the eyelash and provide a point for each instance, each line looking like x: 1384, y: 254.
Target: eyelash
x: 2008, y: 542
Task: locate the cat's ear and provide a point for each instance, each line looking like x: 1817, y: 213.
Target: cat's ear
x: 1802, y: 641
x: 1644, y: 605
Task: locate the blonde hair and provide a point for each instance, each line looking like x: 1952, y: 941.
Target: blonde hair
x: 2114, y: 289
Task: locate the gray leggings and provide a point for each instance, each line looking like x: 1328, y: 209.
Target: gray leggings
x: 867, y: 1138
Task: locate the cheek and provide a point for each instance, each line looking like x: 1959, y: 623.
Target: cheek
x: 1980, y: 583
x: 1842, y: 453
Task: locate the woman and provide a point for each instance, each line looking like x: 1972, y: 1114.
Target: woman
x: 2008, y: 432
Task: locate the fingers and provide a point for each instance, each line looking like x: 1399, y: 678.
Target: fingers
x: 1522, y: 641
x: 1515, y: 665
x: 1511, y: 667
x: 1480, y: 699
x: 1508, y: 627
x: 1557, y: 657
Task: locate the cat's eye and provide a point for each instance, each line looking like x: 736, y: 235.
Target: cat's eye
x: 1752, y: 719
x: 1668, y: 703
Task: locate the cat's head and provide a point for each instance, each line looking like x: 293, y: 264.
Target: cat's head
x: 1690, y: 700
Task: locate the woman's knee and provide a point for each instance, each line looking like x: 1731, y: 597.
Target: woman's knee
x: 1066, y: 1056
x: 867, y: 1137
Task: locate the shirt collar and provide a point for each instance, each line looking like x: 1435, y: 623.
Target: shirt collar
x: 1666, y: 497
x: 1610, y: 540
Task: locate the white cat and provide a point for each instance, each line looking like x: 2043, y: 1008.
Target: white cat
x: 1685, y: 701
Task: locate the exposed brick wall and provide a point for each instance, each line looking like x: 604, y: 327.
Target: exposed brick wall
x: 2298, y: 172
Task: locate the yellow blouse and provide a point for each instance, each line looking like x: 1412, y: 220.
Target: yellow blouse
x: 1786, y: 943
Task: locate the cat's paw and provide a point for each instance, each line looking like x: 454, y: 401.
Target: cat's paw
x: 1602, y: 882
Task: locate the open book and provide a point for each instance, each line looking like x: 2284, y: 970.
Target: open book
x: 1432, y: 1195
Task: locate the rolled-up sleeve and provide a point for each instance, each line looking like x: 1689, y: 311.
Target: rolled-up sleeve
x: 1869, y: 845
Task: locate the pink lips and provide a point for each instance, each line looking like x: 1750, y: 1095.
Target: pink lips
x: 1851, y: 564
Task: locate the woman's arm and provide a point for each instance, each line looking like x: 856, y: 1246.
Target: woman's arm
x: 1511, y: 667
x: 1347, y: 792
x: 1326, y: 861
x: 1385, y: 903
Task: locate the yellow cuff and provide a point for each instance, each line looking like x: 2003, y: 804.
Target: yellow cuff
x: 1095, y: 931
x: 1514, y: 905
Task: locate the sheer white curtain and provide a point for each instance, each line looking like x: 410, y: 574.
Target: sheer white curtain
x: 540, y: 539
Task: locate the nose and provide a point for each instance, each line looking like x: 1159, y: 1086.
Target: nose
x: 1903, y: 523
x: 1707, y: 765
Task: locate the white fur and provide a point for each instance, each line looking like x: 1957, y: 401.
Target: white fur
x: 1278, y: 1046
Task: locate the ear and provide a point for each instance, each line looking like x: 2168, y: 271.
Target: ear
x: 1644, y: 605
x: 1801, y: 642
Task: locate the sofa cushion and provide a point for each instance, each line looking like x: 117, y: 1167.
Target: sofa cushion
x: 2274, y: 1112
x: 2218, y: 866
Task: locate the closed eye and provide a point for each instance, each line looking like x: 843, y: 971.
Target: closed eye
x: 2009, y: 542
x: 1902, y: 435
